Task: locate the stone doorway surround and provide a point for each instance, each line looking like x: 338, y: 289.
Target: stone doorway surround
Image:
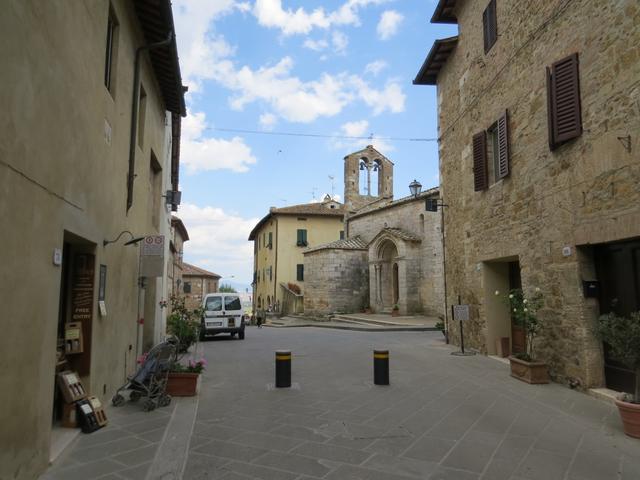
x: 394, y: 271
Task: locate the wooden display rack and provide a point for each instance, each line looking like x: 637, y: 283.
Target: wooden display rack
x: 73, y: 338
x: 71, y: 386
x: 98, y: 409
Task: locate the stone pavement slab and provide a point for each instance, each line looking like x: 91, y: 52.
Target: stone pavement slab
x: 442, y: 418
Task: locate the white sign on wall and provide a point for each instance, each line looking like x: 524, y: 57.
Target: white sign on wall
x: 461, y: 313
x: 152, y: 256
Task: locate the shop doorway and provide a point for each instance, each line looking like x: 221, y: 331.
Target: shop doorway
x: 618, y: 270
x: 75, y: 314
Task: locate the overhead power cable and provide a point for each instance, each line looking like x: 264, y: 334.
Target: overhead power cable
x: 319, y: 135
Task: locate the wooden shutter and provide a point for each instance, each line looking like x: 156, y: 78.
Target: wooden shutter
x: 503, y: 146
x: 490, y: 25
x: 480, y: 161
x: 563, y: 91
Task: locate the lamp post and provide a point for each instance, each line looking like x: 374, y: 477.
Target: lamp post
x: 415, y: 188
x: 431, y: 205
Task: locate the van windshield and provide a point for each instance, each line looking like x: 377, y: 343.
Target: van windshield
x: 232, y: 303
x: 214, y: 304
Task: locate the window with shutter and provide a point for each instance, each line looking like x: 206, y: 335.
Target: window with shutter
x: 489, y: 25
x: 502, y: 154
x: 480, y: 161
x: 302, y: 238
x: 300, y: 272
x: 563, y: 99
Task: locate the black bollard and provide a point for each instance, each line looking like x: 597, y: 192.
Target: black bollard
x: 381, y: 367
x: 283, y: 368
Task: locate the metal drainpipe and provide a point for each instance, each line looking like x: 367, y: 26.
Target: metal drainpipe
x: 134, y: 114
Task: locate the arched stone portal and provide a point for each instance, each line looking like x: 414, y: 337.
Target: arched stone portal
x: 387, y: 275
x: 393, y: 272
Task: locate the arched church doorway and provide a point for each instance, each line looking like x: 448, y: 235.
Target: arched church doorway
x: 388, y: 284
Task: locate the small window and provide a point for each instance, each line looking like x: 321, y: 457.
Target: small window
x: 111, y: 51
x: 302, y: 219
x: 300, y: 272
x: 187, y: 287
x: 270, y: 274
x: 213, y: 304
x: 302, y: 238
x: 491, y: 154
x: 489, y: 26
x: 341, y: 234
x: 270, y: 244
x: 232, y: 303
x: 142, y: 111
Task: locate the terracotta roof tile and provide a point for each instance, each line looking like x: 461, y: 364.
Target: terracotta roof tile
x: 188, y: 269
x: 352, y: 243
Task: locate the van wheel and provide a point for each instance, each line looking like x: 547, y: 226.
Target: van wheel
x: 241, y: 335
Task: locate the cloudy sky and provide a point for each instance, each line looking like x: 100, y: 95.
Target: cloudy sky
x: 337, y: 68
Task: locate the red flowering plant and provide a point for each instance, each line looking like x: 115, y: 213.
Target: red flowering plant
x: 192, y: 366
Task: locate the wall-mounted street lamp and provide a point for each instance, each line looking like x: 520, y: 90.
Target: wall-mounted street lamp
x: 133, y: 240
x: 415, y: 188
x: 431, y: 205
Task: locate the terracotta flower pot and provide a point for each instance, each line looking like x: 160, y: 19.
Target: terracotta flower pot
x: 395, y: 313
x: 630, y: 415
x: 530, y: 372
x: 181, y: 384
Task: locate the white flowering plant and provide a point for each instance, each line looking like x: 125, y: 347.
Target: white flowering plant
x: 524, y: 312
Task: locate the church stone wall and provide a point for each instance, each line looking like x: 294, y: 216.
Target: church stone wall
x: 426, y: 268
x: 336, y: 281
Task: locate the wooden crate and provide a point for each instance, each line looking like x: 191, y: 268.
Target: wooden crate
x: 69, y: 419
x: 98, y: 409
x: 71, y: 386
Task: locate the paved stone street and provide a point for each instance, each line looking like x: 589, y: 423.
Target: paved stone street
x: 443, y: 417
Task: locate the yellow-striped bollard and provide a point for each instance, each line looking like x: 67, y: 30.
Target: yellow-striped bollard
x: 283, y: 368
x: 381, y: 367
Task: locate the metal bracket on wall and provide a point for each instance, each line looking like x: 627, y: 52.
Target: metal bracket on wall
x: 626, y: 142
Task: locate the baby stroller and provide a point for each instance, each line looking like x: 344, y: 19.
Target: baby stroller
x: 151, y: 378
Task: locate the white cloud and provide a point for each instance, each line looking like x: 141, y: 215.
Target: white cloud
x: 390, y: 98
x: 268, y: 120
x: 375, y: 67
x: 271, y: 14
x: 218, y: 240
x: 339, y: 41
x: 389, y: 23
x: 315, y: 45
x: 199, y: 153
x: 358, y: 128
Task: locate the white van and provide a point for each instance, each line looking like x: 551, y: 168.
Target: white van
x: 222, y: 314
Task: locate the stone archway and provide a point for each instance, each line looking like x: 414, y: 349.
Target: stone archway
x: 387, y: 275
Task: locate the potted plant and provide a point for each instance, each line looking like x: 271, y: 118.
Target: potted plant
x: 622, y: 335
x: 366, y: 309
x: 523, y: 309
x: 395, y: 311
x: 183, y: 379
x: 184, y: 324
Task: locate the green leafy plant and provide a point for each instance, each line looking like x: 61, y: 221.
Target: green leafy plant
x: 622, y: 335
x: 439, y: 325
x: 226, y: 288
x: 524, y: 312
x: 183, y: 323
x: 396, y: 307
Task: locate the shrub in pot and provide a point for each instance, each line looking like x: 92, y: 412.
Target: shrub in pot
x: 183, y: 323
x: 622, y: 335
x: 183, y: 378
x: 524, y: 312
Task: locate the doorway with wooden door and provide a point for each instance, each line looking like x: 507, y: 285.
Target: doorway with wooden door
x: 618, y: 271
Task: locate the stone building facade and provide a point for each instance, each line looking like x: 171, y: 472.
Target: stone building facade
x: 76, y: 186
x: 392, y: 253
x: 539, y: 110
x: 279, y: 240
x: 179, y: 235
x: 196, y: 283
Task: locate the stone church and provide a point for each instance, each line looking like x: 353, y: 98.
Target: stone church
x: 391, y: 255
